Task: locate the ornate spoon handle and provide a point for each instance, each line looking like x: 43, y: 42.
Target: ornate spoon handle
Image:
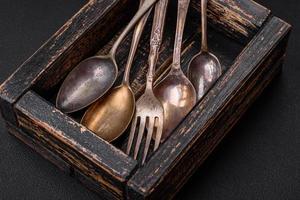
x: 156, y: 38
x: 183, y: 6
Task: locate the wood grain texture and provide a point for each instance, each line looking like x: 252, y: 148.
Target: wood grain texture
x: 82, y: 149
x: 238, y: 19
x: 43, y: 150
x: 37, y: 146
x: 213, y: 117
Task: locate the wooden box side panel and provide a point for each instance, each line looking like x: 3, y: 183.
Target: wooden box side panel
x: 82, y: 149
x: 203, y: 129
x: 38, y: 147
x: 59, y: 162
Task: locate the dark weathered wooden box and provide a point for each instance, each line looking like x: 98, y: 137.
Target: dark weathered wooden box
x: 249, y: 41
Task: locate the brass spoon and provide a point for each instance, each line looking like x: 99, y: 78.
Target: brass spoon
x: 175, y: 91
x: 93, y: 77
x: 205, y: 68
x: 119, y: 104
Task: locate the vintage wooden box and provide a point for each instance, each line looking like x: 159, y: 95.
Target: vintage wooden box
x: 249, y: 41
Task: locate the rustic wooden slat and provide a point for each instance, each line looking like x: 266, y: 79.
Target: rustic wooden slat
x: 238, y: 19
x: 110, y: 167
x: 94, y: 186
x: 38, y: 147
x: 213, y: 117
x: 43, y: 150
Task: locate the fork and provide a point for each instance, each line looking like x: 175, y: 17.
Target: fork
x: 149, y: 110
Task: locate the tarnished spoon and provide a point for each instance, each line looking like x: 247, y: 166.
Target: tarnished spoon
x: 205, y: 68
x: 93, y: 77
x: 119, y: 104
x: 175, y: 91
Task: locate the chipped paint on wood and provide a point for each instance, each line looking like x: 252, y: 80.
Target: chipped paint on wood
x: 237, y: 17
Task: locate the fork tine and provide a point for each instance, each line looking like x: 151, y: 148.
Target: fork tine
x: 149, y: 137
x: 132, y: 134
x: 159, y: 123
x: 140, y: 137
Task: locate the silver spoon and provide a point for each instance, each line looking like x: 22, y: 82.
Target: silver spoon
x: 93, y: 77
x: 205, y: 68
x: 175, y: 91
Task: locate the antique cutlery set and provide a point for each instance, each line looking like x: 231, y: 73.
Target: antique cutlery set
x: 161, y: 108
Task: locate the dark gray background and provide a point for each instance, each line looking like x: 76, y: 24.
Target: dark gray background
x: 259, y: 160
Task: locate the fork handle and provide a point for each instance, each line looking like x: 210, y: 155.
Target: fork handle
x: 156, y: 39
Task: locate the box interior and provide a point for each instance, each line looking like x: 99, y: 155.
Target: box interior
x: 225, y: 48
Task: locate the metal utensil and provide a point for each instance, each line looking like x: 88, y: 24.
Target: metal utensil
x: 204, y: 68
x: 175, y: 91
x: 149, y: 110
x: 93, y: 77
x: 119, y: 104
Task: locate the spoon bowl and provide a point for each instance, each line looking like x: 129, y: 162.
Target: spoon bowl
x: 204, y: 70
x: 177, y: 96
x: 86, y: 81
x: 117, y: 106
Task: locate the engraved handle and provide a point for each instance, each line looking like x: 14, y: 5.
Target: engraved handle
x: 134, y: 44
x: 141, y: 12
x: 156, y: 39
x: 183, y: 6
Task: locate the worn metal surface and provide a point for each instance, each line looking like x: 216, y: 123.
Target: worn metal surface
x: 175, y: 91
x: 149, y: 111
x: 205, y: 67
